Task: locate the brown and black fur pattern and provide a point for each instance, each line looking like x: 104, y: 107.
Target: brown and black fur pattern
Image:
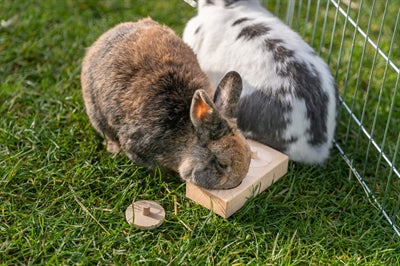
x: 146, y: 94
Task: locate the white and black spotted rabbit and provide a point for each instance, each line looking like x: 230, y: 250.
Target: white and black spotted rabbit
x: 146, y: 94
x: 289, y: 98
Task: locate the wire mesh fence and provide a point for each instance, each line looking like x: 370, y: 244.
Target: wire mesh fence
x: 359, y: 40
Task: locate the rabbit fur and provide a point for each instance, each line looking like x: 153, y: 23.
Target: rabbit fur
x: 289, y: 99
x: 146, y: 94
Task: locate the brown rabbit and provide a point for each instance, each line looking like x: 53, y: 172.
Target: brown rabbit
x: 146, y: 94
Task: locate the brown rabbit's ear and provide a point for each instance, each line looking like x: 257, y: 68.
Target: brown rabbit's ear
x: 227, y: 94
x: 206, y: 118
x: 202, y: 110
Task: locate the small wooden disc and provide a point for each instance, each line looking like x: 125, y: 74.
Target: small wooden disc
x: 145, y: 214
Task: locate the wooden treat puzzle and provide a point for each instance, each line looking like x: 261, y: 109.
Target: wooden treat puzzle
x: 145, y: 214
x: 267, y: 166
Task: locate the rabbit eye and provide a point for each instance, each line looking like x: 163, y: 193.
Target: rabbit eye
x: 220, y: 166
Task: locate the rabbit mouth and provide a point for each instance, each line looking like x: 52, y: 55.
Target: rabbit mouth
x: 230, y: 184
x: 214, y: 182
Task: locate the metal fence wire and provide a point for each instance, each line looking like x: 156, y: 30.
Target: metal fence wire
x: 360, y: 41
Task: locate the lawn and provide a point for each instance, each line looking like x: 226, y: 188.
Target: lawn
x: 63, y: 197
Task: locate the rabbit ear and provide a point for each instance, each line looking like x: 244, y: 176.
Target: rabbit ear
x: 206, y: 118
x: 227, y: 94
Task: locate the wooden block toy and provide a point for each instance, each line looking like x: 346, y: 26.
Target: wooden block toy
x: 267, y: 166
x: 145, y: 214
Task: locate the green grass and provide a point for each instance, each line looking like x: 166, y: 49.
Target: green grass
x: 52, y: 162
